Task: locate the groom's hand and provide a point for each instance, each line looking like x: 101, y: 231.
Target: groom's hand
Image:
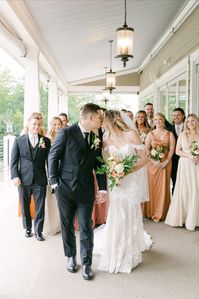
x: 101, y: 196
x: 53, y: 188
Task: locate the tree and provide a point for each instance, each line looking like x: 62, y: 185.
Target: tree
x: 44, y: 105
x: 11, y: 102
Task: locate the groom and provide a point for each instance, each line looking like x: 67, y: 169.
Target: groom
x: 72, y: 159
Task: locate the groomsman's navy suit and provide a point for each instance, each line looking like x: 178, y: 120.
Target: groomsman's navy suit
x: 29, y: 164
x: 175, y: 160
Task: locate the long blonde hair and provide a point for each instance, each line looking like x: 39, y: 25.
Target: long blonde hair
x: 51, y: 133
x: 113, y: 121
x: 160, y: 115
x: 195, y: 117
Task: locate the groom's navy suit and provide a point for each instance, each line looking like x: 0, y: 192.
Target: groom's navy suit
x: 29, y: 164
x: 71, y: 162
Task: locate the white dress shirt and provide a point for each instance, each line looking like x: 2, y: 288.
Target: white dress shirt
x: 179, y: 128
x: 83, y: 130
x: 33, y: 137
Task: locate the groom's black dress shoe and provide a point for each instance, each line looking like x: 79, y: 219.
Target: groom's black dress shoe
x: 87, y: 272
x: 72, y: 264
x: 39, y: 237
x: 28, y: 233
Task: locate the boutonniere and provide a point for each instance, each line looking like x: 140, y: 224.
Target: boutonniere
x: 95, y: 141
x: 42, y: 143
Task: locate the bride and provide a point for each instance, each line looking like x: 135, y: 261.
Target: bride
x: 121, y: 241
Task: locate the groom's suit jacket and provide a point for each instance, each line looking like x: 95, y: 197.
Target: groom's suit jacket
x: 27, y: 164
x: 71, y: 163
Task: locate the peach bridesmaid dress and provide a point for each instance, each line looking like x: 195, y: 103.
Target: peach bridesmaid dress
x: 159, y: 183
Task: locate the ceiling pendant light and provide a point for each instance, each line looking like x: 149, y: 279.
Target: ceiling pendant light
x: 110, y: 76
x: 125, y: 40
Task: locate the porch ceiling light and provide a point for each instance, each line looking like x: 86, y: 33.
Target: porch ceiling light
x: 125, y: 40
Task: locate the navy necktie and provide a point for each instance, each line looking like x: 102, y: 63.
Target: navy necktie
x: 86, y: 136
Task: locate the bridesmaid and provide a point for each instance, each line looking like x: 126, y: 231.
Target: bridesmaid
x: 52, y: 220
x: 160, y: 144
x: 142, y: 125
x: 184, y: 208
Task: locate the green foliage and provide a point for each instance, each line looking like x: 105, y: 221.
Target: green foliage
x: 44, y: 105
x: 75, y: 102
x: 12, y: 102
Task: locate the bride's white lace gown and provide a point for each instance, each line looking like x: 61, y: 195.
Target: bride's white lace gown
x: 121, y: 241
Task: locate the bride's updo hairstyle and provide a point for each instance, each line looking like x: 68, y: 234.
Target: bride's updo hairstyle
x: 113, y: 121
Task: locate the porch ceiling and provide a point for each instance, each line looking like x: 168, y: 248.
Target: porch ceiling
x: 77, y: 32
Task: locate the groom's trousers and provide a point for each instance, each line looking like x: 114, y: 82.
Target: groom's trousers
x: 68, y: 206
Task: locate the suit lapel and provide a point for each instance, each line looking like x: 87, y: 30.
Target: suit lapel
x: 27, y: 145
x: 37, y: 147
x: 78, y: 136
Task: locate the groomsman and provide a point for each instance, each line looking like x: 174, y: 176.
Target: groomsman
x: 28, y: 172
x: 64, y: 118
x: 177, y: 128
x: 150, y: 114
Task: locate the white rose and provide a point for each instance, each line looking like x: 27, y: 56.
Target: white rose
x: 119, y: 168
x: 153, y: 152
x: 161, y: 155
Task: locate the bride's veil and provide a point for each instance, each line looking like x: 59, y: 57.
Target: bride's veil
x: 128, y: 121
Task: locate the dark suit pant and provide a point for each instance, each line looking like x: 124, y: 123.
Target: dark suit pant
x: 39, y: 193
x: 68, y: 208
x: 175, y: 161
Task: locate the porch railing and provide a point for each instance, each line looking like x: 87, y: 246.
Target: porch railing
x: 6, y: 143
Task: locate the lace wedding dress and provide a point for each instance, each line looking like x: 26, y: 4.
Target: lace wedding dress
x: 122, y: 239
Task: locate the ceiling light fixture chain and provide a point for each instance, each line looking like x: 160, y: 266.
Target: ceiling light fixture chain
x: 111, y: 41
x: 125, y: 13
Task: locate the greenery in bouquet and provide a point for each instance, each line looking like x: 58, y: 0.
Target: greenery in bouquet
x: 158, y: 153
x: 195, y: 148
x: 116, y: 168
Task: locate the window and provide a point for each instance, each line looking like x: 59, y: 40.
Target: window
x: 173, y: 95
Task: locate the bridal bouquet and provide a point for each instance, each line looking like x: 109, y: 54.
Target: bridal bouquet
x: 195, y: 148
x: 116, y: 168
x: 158, y: 153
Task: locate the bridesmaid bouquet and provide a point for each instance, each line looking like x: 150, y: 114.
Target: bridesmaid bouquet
x: 195, y: 148
x: 116, y: 168
x: 158, y: 153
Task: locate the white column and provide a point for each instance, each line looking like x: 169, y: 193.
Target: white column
x: 31, y: 91
x: 52, y: 99
x: 63, y: 103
